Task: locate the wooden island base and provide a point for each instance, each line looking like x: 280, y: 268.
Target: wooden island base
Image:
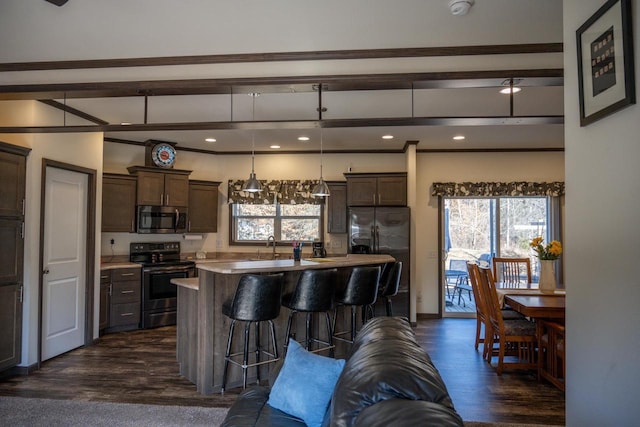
x: 202, y: 329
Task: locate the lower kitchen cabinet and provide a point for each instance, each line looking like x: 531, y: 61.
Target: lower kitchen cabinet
x: 125, y: 291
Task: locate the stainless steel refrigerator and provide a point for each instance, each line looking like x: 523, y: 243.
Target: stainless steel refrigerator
x: 384, y: 230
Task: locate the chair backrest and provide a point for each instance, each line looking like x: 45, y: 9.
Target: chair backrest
x: 257, y: 297
x: 362, y: 286
x: 490, y: 298
x: 511, y: 271
x: 481, y: 310
x: 390, y: 279
x: 315, y: 290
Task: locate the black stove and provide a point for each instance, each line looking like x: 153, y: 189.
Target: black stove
x: 160, y: 263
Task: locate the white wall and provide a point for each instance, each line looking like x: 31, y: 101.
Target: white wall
x: 460, y: 167
x: 78, y: 149
x: 601, y: 249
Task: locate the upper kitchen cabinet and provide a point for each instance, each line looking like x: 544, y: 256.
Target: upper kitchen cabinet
x: 376, y: 189
x: 118, y: 203
x: 337, y: 207
x: 12, y: 175
x: 203, y: 207
x: 161, y: 187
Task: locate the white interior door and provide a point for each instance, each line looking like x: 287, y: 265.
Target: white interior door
x: 64, y: 247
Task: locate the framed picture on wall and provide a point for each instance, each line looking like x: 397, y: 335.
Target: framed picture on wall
x: 605, y: 61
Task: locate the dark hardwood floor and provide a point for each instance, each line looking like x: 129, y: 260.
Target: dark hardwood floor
x: 140, y: 367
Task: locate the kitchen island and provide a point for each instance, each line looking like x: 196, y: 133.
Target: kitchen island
x: 202, y: 329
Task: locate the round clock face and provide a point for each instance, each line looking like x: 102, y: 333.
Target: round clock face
x: 163, y: 155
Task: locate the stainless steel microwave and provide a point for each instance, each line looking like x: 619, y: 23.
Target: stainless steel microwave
x: 161, y: 219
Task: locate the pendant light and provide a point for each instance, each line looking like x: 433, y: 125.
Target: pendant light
x: 252, y: 185
x: 321, y: 189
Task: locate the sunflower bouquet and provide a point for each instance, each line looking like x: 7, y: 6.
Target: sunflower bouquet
x: 550, y: 251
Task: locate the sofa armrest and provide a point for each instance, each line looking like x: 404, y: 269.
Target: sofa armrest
x: 403, y: 412
x: 251, y: 410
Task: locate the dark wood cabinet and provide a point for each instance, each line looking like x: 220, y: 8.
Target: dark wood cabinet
x: 118, y: 203
x: 125, y: 299
x: 105, y: 298
x: 161, y: 187
x: 376, y: 189
x: 203, y: 207
x: 13, y: 162
x: 337, y: 207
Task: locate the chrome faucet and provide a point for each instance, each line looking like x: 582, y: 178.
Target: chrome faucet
x: 269, y: 239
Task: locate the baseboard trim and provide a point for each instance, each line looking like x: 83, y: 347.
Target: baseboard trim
x: 427, y: 316
x: 19, y: 371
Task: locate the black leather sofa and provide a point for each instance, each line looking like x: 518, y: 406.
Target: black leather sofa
x: 388, y: 380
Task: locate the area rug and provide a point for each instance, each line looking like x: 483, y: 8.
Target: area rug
x: 18, y: 412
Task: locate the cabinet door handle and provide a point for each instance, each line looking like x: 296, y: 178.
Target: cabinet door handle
x: 162, y: 199
x: 126, y: 314
x: 127, y: 274
x: 126, y: 292
x: 110, y: 289
x: 167, y: 199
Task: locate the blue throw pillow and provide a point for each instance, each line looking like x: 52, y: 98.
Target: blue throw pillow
x: 305, y: 384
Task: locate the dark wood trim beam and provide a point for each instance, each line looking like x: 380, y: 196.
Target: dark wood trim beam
x: 366, y: 151
x: 458, y: 79
x: 296, y: 124
x: 506, y: 49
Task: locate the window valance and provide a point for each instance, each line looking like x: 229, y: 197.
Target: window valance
x: 491, y: 189
x: 288, y: 192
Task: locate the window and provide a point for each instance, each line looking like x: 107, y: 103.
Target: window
x: 255, y: 223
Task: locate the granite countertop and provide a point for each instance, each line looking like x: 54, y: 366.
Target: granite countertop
x: 265, y: 266
x: 118, y: 264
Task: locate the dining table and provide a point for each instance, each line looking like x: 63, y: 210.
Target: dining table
x: 523, y: 289
x: 543, y: 306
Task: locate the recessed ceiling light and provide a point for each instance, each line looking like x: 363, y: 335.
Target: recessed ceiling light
x: 387, y: 136
x: 210, y: 139
x: 125, y: 124
x: 507, y: 90
x: 275, y: 146
x: 458, y: 137
x: 303, y: 138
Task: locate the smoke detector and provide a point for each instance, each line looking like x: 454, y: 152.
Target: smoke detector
x: 460, y: 7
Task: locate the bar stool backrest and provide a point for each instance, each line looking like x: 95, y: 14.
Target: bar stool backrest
x: 257, y: 297
x: 390, y: 281
x: 362, y: 286
x: 315, y: 290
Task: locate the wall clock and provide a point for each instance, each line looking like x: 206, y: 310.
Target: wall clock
x: 163, y: 155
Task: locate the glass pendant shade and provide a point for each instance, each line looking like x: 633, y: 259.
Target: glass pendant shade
x: 321, y: 189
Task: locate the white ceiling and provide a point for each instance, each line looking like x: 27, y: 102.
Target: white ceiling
x: 94, y: 29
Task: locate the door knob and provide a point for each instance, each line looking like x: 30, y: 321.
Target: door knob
x: 45, y: 271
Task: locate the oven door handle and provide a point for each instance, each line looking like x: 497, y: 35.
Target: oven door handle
x: 168, y: 268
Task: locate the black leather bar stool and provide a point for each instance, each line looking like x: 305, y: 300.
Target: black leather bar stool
x: 361, y: 290
x: 313, y: 293
x: 389, y: 284
x: 257, y: 299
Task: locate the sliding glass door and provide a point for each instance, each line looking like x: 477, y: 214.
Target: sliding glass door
x: 479, y: 228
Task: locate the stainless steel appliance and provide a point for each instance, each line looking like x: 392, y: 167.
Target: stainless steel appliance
x: 161, y: 219
x: 160, y: 263
x: 384, y: 230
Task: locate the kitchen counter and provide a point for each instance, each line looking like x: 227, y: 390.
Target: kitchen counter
x: 121, y: 264
x: 202, y: 329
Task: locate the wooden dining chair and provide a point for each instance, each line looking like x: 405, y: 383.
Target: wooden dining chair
x: 551, y: 350
x: 482, y: 317
x: 511, y: 272
x: 516, y: 339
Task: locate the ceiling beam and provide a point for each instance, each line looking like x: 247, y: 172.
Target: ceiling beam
x: 323, y: 55
x: 295, y: 124
x: 451, y: 79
